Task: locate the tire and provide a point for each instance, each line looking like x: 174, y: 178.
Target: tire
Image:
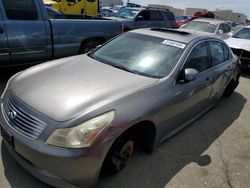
x: 231, y: 87
x: 86, y: 47
x: 120, y: 154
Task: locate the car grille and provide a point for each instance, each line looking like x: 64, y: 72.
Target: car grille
x: 21, y: 121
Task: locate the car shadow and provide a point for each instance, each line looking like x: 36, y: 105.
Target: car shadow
x: 157, y: 169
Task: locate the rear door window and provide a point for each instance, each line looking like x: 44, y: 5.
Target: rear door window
x: 20, y: 9
x: 226, y: 52
x: 156, y: 15
x: 216, y: 52
x: 145, y: 15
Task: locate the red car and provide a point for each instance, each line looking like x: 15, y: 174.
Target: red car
x: 181, y: 20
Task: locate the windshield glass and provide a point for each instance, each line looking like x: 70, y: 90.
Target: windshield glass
x: 243, y: 34
x: 127, y: 13
x: 200, y: 26
x: 141, y: 54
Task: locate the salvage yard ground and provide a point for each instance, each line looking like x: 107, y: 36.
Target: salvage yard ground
x: 213, y: 152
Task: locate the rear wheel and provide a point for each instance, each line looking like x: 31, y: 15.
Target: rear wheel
x: 231, y: 87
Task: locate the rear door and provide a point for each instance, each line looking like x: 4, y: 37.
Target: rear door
x: 25, y: 30
x: 4, y: 52
x: 222, y: 65
x: 157, y: 19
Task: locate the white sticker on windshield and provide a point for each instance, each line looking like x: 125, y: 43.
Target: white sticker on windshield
x: 174, y: 43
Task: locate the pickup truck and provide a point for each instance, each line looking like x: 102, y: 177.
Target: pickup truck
x: 141, y: 17
x: 28, y: 35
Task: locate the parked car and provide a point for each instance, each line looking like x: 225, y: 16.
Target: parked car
x: 181, y: 20
x: 209, y: 26
x: 134, y: 18
x: 116, y: 8
x: 27, y: 35
x: 240, y: 44
x: 89, y: 112
x: 107, y: 11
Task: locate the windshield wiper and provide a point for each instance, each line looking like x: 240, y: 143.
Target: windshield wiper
x: 125, y: 68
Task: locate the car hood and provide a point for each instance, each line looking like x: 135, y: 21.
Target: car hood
x: 237, y: 43
x: 65, y: 88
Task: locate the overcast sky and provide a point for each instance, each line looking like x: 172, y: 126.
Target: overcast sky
x: 242, y: 6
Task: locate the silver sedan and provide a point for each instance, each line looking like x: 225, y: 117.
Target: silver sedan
x: 67, y: 120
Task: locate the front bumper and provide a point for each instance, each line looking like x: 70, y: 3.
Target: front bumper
x: 244, y: 57
x: 60, y: 167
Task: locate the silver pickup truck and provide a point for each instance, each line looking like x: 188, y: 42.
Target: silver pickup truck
x: 28, y: 35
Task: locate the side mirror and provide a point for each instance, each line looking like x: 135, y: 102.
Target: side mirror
x: 220, y: 31
x: 190, y: 74
x: 139, y: 18
x: 230, y: 34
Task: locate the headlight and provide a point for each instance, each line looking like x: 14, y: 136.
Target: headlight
x: 82, y: 135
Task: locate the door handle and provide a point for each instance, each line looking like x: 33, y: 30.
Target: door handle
x: 1, y: 30
x: 208, y: 81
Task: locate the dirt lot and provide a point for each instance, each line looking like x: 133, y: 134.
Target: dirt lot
x: 213, y: 152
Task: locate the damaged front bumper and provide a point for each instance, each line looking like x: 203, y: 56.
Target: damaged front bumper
x: 244, y: 57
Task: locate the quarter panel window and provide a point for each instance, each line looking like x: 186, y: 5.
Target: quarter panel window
x: 216, y: 52
x: 20, y: 9
x: 198, y: 59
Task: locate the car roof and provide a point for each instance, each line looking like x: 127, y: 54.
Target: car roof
x: 210, y: 20
x: 173, y: 34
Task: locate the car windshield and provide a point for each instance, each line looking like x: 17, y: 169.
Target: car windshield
x: 141, y: 54
x: 243, y: 34
x: 200, y: 26
x: 127, y: 13
x: 181, y: 18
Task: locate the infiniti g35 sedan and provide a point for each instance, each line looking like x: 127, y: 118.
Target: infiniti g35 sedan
x: 67, y: 120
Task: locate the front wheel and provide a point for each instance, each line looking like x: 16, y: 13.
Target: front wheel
x: 120, y: 155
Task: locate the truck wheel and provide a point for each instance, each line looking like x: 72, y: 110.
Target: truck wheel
x: 86, y: 47
x: 120, y: 154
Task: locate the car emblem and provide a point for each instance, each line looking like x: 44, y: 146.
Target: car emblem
x: 12, y: 114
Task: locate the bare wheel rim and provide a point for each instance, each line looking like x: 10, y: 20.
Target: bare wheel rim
x: 122, y: 157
